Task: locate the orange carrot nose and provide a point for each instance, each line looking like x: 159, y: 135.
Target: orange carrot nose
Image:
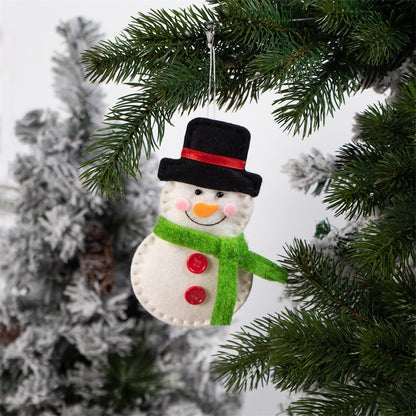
x: 204, y: 210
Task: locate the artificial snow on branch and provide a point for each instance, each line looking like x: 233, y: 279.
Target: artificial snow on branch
x: 310, y: 170
x: 73, y: 341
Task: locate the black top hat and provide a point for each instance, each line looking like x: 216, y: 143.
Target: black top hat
x: 213, y: 156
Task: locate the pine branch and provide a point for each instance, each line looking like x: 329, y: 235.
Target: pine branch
x: 352, y: 190
x: 83, y: 100
x: 399, y: 295
x: 130, y: 125
x: 339, y: 400
x: 372, y: 171
x: 301, y: 348
x: 128, y: 378
x: 406, y: 101
x: 235, y: 86
x: 305, y: 102
x: 396, y: 171
x: 324, y: 284
x: 362, y: 302
x: 388, y: 350
x: 363, y: 398
x: 388, y: 241
x: 315, y: 53
x: 259, y: 26
x: 377, y: 40
x: 310, y: 170
x: 111, y: 60
x: 117, y: 147
x: 378, y: 126
x: 353, y: 363
x: 242, y: 363
x: 291, y: 61
x: 150, y: 43
x: 337, y: 17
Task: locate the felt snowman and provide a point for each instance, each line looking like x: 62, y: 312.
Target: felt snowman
x: 195, y: 268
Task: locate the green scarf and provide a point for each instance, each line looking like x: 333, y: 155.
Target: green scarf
x: 232, y: 253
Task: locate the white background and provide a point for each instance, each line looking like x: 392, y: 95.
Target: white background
x: 27, y: 41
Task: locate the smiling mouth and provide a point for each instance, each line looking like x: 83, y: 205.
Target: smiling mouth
x: 206, y: 225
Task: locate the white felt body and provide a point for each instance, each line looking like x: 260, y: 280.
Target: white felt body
x: 159, y: 274
x: 160, y: 278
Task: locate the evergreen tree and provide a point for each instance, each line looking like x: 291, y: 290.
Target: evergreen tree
x: 312, y: 52
x: 350, y: 343
x: 73, y: 339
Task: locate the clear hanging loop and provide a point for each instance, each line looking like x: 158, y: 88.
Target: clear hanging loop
x: 212, y: 84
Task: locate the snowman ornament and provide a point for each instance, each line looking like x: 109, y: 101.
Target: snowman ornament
x: 195, y: 268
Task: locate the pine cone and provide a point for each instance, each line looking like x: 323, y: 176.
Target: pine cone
x: 9, y: 334
x: 97, y: 260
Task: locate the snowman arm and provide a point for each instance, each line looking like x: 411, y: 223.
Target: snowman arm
x: 262, y: 267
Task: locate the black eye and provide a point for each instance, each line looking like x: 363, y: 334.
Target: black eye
x: 198, y: 192
x: 220, y: 194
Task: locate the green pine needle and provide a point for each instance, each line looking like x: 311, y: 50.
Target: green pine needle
x: 128, y: 380
x: 314, y: 53
x: 325, y: 284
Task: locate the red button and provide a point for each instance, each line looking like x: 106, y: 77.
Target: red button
x: 195, y: 295
x: 196, y: 263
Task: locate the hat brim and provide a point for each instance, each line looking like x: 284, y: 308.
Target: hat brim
x: 209, y: 176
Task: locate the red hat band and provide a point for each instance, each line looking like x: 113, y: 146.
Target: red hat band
x: 211, y: 159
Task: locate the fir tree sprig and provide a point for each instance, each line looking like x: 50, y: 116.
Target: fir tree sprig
x: 135, y: 126
x: 324, y: 284
x: 299, y: 349
x: 387, y: 241
x: 338, y: 399
x: 314, y: 53
x: 366, y: 294
x: 243, y: 363
x: 306, y: 101
x: 376, y: 173
x: 151, y: 42
x: 333, y: 358
x: 128, y: 380
x: 119, y: 145
x: 400, y: 295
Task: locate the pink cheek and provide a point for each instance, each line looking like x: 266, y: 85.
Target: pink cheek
x: 229, y: 210
x: 182, y: 204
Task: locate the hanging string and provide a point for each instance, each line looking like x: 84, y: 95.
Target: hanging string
x: 212, y: 84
